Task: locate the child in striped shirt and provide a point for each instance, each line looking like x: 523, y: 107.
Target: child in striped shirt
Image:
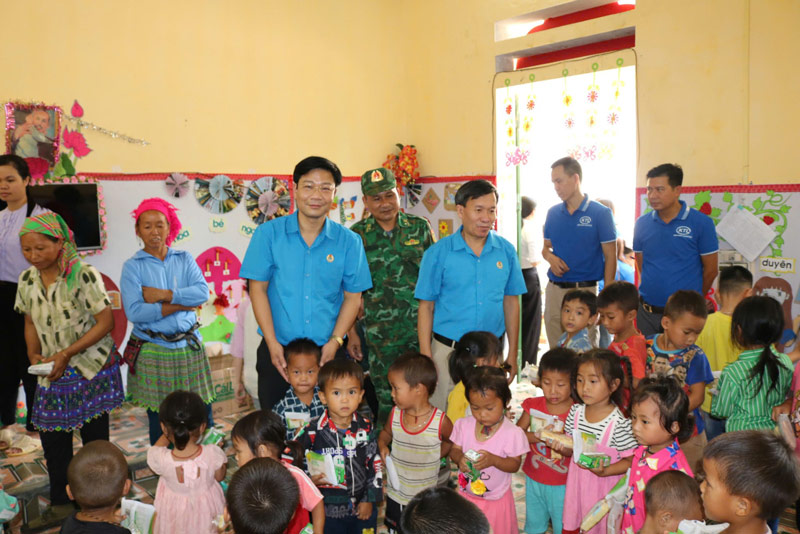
x: 418, y: 432
x: 759, y: 380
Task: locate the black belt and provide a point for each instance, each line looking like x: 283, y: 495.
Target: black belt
x: 189, y: 336
x: 575, y: 285
x: 445, y: 340
x: 649, y: 308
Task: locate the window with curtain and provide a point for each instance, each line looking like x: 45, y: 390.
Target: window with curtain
x: 591, y: 117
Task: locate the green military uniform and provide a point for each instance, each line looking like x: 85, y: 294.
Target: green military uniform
x: 390, y: 309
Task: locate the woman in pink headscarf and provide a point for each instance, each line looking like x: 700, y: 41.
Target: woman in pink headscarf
x: 161, y: 287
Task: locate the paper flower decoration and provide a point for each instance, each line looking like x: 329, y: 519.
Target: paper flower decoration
x: 404, y: 165
x: 76, y: 142
x: 38, y: 167
x: 77, y: 110
x: 219, y: 194
x: 268, y: 198
x: 177, y: 184
x: 478, y: 487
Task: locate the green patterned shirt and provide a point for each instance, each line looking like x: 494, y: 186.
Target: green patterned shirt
x: 739, y: 402
x: 62, y: 316
x: 390, y: 309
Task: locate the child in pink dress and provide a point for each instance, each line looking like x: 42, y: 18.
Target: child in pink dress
x: 660, y: 418
x: 499, y: 443
x: 598, y: 384
x: 188, y: 497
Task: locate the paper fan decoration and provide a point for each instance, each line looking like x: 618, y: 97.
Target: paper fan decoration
x: 177, y: 184
x: 219, y: 194
x: 267, y: 199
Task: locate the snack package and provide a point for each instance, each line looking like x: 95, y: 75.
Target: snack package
x: 689, y: 526
x: 212, y: 436
x: 556, y: 436
x: 41, y: 369
x: 592, y: 460
x: 472, y: 457
x: 540, y: 420
x: 321, y: 464
x: 139, y: 517
x: 610, y: 504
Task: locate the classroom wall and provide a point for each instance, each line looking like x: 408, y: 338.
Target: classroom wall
x: 235, y: 86
x: 253, y: 86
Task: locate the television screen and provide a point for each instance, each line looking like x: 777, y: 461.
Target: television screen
x: 78, y: 205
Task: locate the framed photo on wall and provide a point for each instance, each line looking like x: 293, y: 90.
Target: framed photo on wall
x: 32, y: 130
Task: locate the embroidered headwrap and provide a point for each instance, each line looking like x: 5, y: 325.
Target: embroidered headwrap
x: 53, y: 225
x: 169, y: 211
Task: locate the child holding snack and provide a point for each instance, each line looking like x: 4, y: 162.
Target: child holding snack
x: 474, y: 349
x: 188, y: 496
x: 342, y: 434
x: 261, y: 434
x: 578, y: 313
x: 489, y: 447
x: 660, y: 419
x: 301, y: 403
x: 417, y: 431
x: 602, y: 432
x: 546, y: 482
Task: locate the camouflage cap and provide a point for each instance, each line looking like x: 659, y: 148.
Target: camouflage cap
x: 376, y: 181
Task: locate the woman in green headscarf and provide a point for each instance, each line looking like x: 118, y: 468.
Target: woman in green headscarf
x: 68, y: 322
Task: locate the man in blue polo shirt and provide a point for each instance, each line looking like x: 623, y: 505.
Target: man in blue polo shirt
x: 676, y: 247
x: 580, y: 244
x: 306, y: 276
x: 468, y: 281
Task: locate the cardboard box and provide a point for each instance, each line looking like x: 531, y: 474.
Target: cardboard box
x: 222, y: 375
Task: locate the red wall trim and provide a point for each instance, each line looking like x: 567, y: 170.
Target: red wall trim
x: 579, y: 16
x: 591, y: 49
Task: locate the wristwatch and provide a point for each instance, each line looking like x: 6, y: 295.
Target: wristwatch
x: 339, y: 340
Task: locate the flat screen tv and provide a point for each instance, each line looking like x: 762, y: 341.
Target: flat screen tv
x: 78, y: 205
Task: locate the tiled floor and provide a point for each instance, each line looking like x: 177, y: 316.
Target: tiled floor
x: 26, y: 476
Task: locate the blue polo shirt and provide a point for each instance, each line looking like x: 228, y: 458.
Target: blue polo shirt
x: 306, y: 284
x: 578, y: 239
x: 468, y: 290
x: 671, y: 252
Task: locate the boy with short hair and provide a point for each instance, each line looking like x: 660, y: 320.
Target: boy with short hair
x: 301, y: 403
x: 617, y: 305
x: 751, y: 476
x: 578, y: 313
x: 262, y: 498
x: 439, y: 510
x: 97, y: 479
x: 346, y: 436
x: 671, y: 497
x: 735, y: 283
x: 417, y: 430
x: 683, y: 320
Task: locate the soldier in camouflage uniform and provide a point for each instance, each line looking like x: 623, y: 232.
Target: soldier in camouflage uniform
x: 394, y: 242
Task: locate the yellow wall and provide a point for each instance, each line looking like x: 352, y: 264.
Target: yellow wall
x: 217, y: 85
x: 256, y: 85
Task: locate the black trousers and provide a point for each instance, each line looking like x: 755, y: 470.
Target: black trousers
x: 58, y: 453
x: 531, y: 316
x: 271, y: 385
x: 13, y: 358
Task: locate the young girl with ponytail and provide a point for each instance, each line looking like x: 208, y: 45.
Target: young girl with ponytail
x: 759, y: 380
x: 188, y: 496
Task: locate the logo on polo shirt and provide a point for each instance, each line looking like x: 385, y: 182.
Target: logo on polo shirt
x: 683, y: 231
x: 585, y: 221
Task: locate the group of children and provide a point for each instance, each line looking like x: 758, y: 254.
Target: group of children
x: 623, y: 417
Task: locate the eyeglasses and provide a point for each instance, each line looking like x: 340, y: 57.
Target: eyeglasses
x: 309, y: 187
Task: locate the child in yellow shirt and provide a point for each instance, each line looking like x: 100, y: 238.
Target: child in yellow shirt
x: 735, y: 283
x: 474, y: 349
